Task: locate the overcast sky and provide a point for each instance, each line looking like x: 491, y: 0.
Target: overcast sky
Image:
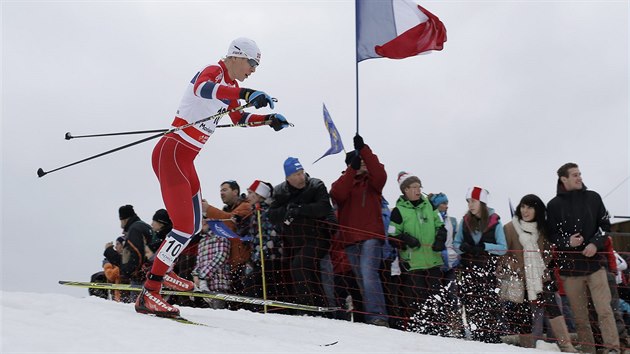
x: 519, y: 89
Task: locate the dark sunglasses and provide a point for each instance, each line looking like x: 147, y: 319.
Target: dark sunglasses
x: 252, y: 62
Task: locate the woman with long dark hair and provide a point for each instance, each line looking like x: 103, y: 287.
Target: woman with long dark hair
x: 529, y: 256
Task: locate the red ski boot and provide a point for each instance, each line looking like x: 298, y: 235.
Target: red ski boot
x: 151, y: 302
x: 175, y: 282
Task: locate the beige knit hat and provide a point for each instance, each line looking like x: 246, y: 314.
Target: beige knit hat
x: 405, y: 179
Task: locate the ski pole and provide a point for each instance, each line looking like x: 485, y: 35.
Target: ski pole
x: 253, y: 124
x: 70, y: 136
x: 41, y: 172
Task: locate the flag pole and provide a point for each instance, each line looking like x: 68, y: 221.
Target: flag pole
x: 356, y: 59
x: 357, y: 91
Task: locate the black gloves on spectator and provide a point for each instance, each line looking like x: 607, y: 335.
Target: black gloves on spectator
x: 475, y: 250
x: 465, y: 247
x: 112, y: 256
x: 356, y: 161
x: 293, y: 210
x: 409, y: 240
x: 358, y: 142
x: 439, y: 244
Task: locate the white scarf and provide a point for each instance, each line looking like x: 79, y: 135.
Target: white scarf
x: 534, y: 264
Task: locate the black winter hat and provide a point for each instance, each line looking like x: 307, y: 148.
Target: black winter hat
x: 125, y: 212
x: 162, y: 217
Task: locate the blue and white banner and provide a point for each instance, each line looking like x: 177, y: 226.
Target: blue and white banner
x: 336, y: 145
x: 220, y: 229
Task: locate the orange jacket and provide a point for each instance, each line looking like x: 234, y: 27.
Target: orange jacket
x: 112, y: 273
x: 239, y: 252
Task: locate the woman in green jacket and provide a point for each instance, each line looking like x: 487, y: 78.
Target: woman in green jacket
x: 421, y: 235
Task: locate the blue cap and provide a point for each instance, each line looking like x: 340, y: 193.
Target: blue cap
x: 438, y: 199
x: 291, y: 166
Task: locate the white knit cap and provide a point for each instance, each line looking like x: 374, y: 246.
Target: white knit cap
x: 402, y: 176
x: 261, y: 189
x: 244, y: 48
x: 405, y: 179
x: 477, y: 193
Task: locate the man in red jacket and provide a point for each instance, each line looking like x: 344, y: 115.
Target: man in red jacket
x: 358, y: 193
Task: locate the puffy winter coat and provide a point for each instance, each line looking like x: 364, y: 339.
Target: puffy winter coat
x: 138, y: 233
x: 419, y: 221
x: 358, y: 198
x: 314, y: 216
x: 579, y: 211
x: 492, y: 238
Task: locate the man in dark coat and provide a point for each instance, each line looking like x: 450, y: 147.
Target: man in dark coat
x: 138, y: 233
x: 577, y: 220
x: 301, y: 208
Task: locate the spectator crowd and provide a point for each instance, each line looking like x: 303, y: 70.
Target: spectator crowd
x: 548, y: 273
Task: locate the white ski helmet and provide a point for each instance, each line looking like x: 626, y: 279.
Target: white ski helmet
x: 244, y: 48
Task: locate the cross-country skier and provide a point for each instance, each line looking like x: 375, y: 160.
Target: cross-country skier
x: 213, y: 89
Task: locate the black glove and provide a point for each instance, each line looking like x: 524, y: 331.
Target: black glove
x: 293, y: 210
x: 356, y: 161
x: 409, y: 240
x: 278, y: 122
x: 474, y: 250
x: 358, y: 142
x: 439, y: 244
x: 257, y: 99
x: 479, y: 248
x: 465, y: 247
x: 112, y: 256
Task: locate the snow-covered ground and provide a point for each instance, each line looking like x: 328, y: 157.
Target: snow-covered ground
x: 56, y: 323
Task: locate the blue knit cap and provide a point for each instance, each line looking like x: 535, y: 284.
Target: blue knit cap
x: 291, y: 166
x: 438, y: 199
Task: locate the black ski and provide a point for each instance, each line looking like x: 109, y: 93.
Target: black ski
x: 329, y: 344
x: 187, y: 321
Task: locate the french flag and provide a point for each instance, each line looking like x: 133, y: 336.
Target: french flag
x: 396, y: 29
